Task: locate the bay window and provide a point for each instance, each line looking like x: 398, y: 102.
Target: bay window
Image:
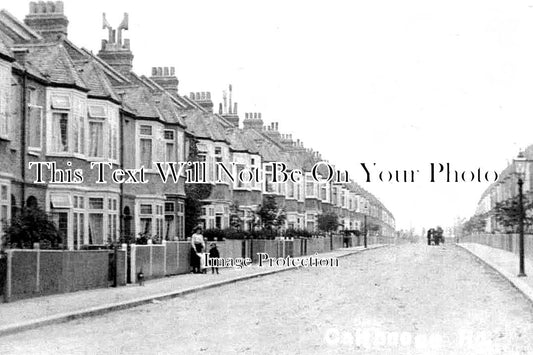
x: 290, y: 189
x: 5, y: 206
x: 323, y: 193
x: 96, y: 220
x: 35, y: 117
x: 146, y: 146
x: 181, y: 220
x: 5, y: 93
x: 112, y: 219
x: 96, y: 139
x: 78, y: 222
x: 97, y: 117
x: 170, y: 221
x: 239, y: 168
x: 59, y: 132
x: 170, y: 148
x: 269, y: 185
x: 309, y: 187
x: 151, y: 218
x: 78, y: 126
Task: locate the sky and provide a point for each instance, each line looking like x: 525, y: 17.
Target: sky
x: 401, y: 84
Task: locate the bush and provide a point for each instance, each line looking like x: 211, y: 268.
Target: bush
x: 214, y: 234
x: 297, y: 233
x: 232, y: 233
x: 32, y: 225
x: 263, y: 234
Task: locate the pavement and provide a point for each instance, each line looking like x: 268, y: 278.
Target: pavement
x: 504, y: 263
x: 41, y: 311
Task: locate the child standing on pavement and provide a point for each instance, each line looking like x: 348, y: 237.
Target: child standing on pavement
x: 213, y: 253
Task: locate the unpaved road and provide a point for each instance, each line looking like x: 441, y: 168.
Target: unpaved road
x: 409, y: 299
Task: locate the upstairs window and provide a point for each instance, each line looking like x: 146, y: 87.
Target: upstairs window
x: 35, y: 117
x: 170, y: 148
x: 145, y: 146
x: 5, y: 93
x: 96, y: 139
x: 60, y: 122
x: 68, y: 124
x: 97, y: 114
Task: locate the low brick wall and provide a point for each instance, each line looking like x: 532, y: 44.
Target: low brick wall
x: 35, y: 272
x: 508, y: 242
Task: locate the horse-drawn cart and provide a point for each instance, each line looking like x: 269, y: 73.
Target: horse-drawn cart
x: 435, y: 236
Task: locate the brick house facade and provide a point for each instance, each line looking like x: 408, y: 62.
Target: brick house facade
x: 62, y: 103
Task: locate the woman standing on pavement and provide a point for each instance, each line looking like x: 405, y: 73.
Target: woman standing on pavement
x: 197, y: 246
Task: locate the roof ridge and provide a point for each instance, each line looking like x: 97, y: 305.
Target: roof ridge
x: 22, y: 25
x: 109, y: 68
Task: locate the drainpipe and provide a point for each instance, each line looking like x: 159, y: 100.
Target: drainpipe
x: 121, y: 130
x: 20, y: 56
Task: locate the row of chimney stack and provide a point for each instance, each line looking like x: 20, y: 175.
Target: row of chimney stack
x: 252, y: 115
x: 200, y: 96
x: 48, y: 7
x: 163, y: 71
x: 273, y: 127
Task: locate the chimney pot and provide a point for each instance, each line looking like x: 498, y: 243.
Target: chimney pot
x: 192, y: 96
x: 172, y: 71
x: 208, y: 95
x: 165, y: 71
x: 159, y: 71
x: 154, y: 71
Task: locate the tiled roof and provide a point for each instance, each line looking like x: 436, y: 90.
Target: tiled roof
x: 4, y: 48
x: 53, y: 61
x: 139, y: 99
x: 17, y: 31
x: 204, y: 125
x: 169, y: 109
x: 239, y: 141
x: 96, y: 80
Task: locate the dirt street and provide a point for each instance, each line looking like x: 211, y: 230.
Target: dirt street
x: 409, y: 299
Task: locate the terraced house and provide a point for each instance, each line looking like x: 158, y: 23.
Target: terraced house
x: 504, y: 189
x: 63, y: 103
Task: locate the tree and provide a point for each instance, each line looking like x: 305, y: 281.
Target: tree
x: 194, y: 193
x: 328, y: 222
x: 507, y: 213
x: 31, y: 226
x: 476, y: 223
x: 271, y: 216
x: 235, y: 220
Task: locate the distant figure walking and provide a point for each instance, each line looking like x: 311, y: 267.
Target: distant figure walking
x: 197, y: 246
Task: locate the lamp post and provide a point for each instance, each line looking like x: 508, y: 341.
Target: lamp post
x: 520, y: 165
x: 365, y: 234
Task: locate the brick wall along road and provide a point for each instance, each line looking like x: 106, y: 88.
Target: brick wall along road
x: 401, y: 300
